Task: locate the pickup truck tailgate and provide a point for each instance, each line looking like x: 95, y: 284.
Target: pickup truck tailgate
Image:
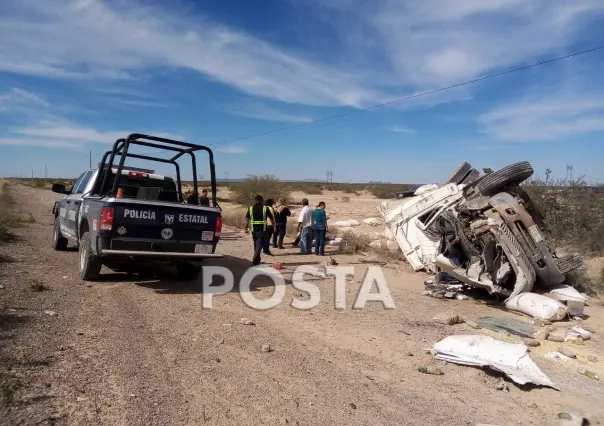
x: 162, y: 228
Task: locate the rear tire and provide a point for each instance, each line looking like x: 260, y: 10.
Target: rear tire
x: 459, y: 174
x: 90, y: 264
x: 187, y: 272
x: 59, y: 242
x: 514, y: 174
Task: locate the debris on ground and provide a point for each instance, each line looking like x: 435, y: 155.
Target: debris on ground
x: 588, y: 373
x: 449, y: 290
x: 567, y: 352
x: 511, y: 359
x: 537, y: 306
x: 267, y: 348
x: 247, y: 321
x: 582, y: 332
x: 509, y: 325
x: 541, y: 335
x: 502, y: 385
x: 531, y: 343
x: 50, y: 313
x: 575, y: 301
x: 448, y: 318
x: 592, y: 358
x: 572, y: 419
x: 429, y: 369
x: 557, y: 335
x: 473, y: 324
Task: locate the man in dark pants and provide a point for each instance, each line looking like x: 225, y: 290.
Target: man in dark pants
x: 256, y: 221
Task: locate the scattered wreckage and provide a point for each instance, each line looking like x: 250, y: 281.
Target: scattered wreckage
x: 482, y: 230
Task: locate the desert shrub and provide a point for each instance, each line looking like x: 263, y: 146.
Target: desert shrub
x: 7, y: 218
x: 266, y: 185
x: 349, y: 189
x: 572, y: 213
x: 313, y: 190
x: 345, y: 199
x: 353, y: 243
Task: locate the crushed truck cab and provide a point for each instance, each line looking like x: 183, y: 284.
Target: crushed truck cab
x: 492, y: 220
x: 124, y: 217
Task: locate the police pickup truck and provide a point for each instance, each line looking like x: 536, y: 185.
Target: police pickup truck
x: 125, y: 217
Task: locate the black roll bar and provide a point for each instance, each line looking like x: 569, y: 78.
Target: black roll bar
x: 120, y: 147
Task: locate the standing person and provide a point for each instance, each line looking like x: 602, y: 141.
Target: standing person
x: 320, y: 226
x: 271, y: 228
x: 256, y: 222
x: 204, y: 200
x: 282, y: 212
x: 305, y: 228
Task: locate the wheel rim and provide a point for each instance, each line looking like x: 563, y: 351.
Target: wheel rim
x: 83, y: 257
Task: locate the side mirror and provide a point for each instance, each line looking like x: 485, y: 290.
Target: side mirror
x: 59, y: 188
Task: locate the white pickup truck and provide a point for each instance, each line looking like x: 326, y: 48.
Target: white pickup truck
x: 493, y: 221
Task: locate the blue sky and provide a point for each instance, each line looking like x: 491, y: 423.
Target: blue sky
x: 77, y: 74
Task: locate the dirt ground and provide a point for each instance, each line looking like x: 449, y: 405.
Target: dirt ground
x: 128, y: 351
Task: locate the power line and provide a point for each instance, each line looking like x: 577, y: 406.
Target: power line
x: 418, y: 95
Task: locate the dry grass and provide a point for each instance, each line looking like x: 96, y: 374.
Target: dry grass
x: 234, y: 218
x: 7, y: 218
x: 573, y: 215
x: 354, y: 243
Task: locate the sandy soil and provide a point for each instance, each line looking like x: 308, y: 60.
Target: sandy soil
x: 128, y: 351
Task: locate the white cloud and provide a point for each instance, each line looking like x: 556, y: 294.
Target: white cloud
x: 407, y: 45
x: 401, y: 129
x: 17, y: 98
x: 264, y: 112
x: 548, y: 117
x: 232, y: 149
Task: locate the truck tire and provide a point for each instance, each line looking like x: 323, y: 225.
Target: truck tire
x: 89, y: 264
x: 569, y: 263
x: 492, y: 183
x: 187, y: 272
x: 459, y: 174
x: 59, y: 242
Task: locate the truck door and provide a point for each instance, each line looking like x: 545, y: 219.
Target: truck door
x: 73, y: 202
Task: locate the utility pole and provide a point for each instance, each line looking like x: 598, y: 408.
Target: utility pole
x: 90, y: 160
x: 45, y: 172
x: 32, y: 174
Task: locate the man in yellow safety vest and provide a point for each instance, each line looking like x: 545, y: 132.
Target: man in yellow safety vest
x: 256, y: 222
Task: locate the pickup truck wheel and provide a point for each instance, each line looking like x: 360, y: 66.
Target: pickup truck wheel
x: 514, y: 174
x: 459, y: 174
x: 90, y: 264
x: 187, y: 272
x: 59, y: 242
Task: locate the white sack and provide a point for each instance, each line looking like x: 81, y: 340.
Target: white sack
x: 346, y: 223
x: 565, y: 292
x: 372, y: 221
x: 537, y: 306
x: 512, y: 359
x: 425, y: 188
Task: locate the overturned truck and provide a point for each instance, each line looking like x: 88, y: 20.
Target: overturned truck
x: 483, y: 230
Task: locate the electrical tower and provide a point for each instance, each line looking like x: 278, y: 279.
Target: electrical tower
x: 329, y: 176
x: 569, y: 173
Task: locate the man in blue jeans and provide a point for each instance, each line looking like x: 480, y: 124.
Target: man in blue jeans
x: 320, y: 226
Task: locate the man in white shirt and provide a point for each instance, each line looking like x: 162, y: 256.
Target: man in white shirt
x: 305, y: 228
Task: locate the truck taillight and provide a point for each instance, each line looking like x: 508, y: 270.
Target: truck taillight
x: 106, y: 219
x: 139, y: 174
x: 218, y: 229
